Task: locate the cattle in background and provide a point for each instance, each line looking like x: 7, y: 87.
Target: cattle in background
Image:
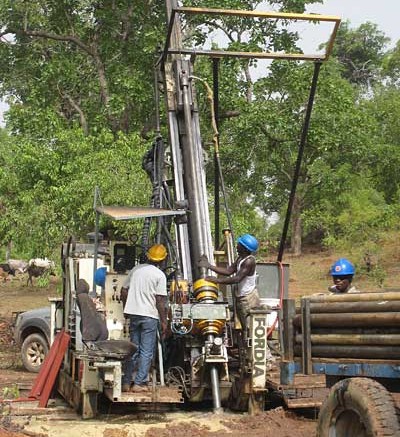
x: 38, y: 267
x: 18, y: 265
x: 6, y: 271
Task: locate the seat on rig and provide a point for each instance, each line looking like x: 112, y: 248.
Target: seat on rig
x: 94, y: 329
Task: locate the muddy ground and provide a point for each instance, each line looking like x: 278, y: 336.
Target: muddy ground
x: 58, y: 420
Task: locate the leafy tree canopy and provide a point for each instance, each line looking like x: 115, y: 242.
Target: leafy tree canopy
x: 88, y: 63
x: 361, y: 51
x: 79, y: 79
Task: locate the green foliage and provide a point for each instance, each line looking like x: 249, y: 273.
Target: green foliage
x: 243, y: 32
x: 79, y: 75
x: 355, y: 216
x: 43, y: 281
x: 78, y: 63
x: 52, y: 193
x: 391, y: 64
x: 361, y: 51
x: 10, y: 392
x: 370, y: 265
x: 378, y: 275
x: 263, y: 140
x: 385, y: 109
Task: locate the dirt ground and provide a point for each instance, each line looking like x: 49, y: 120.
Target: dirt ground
x: 24, y: 419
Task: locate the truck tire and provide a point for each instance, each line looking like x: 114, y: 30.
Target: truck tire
x: 33, y: 351
x: 359, y: 407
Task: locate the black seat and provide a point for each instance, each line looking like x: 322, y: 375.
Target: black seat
x: 94, y: 329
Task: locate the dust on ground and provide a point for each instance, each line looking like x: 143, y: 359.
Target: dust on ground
x: 275, y: 422
x: 58, y: 421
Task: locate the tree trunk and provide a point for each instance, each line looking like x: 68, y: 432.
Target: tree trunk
x: 297, y: 226
x: 8, y: 250
x: 250, y: 87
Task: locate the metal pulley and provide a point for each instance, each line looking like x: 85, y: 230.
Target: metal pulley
x: 204, y: 290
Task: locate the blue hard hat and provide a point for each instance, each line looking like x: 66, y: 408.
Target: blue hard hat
x: 248, y: 242
x: 100, y: 276
x: 342, y: 267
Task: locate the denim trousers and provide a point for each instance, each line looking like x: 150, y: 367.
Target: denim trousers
x: 143, y: 332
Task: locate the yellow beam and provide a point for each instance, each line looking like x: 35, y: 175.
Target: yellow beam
x: 253, y: 14
x: 252, y: 55
x: 259, y: 14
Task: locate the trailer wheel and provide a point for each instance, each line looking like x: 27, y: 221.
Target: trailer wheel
x: 358, y: 407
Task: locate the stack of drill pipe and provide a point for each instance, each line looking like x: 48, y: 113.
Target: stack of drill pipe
x: 357, y: 325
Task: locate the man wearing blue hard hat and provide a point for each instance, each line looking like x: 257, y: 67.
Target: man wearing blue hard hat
x: 342, y: 272
x: 242, y: 272
x: 100, y: 276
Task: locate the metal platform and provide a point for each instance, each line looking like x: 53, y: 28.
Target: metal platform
x: 156, y: 394
x: 307, y: 391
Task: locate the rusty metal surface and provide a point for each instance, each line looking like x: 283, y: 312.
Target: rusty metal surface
x: 301, y: 381
x: 69, y: 390
x: 352, y: 339
x: 356, y: 361
x: 347, y: 320
x: 156, y: 394
x: 33, y: 409
x: 356, y: 307
x: 354, y: 351
x: 396, y: 398
x: 307, y: 391
x: 135, y: 212
x: 355, y: 297
x: 306, y: 402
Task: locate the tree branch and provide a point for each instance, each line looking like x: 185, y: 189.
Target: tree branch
x: 127, y: 22
x: 229, y: 114
x: 90, y: 50
x: 78, y: 109
x: 273, y: 139
x: 250, y: 86
x: 49, y: 35
x: 220, y: 27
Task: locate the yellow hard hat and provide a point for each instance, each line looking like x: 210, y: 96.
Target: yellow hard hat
x: 157, y: 252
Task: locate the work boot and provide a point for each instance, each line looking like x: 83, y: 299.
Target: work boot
x: 139, y: 389
x: 126, y: 387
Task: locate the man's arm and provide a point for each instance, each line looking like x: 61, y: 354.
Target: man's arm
x: 124, y: 295
x: 161, y: 304
x: 245, y: 270
x: 125, y: 288
x: 227, y: 271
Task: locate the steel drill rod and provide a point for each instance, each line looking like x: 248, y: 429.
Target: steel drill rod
x: 360, y: 320
x: 355, y: 297
x: 356, y: 331
x: 215, y: 389
x: 360, y: 351
x: 355, y: 307
x: 354, y: 339
x: 214, y: 377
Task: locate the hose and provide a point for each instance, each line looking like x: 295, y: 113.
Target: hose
x: 210, y: 97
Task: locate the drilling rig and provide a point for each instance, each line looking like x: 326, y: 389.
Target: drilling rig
x: 206, y: 356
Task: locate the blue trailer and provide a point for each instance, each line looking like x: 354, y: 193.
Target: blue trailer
x: 352, y: 341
